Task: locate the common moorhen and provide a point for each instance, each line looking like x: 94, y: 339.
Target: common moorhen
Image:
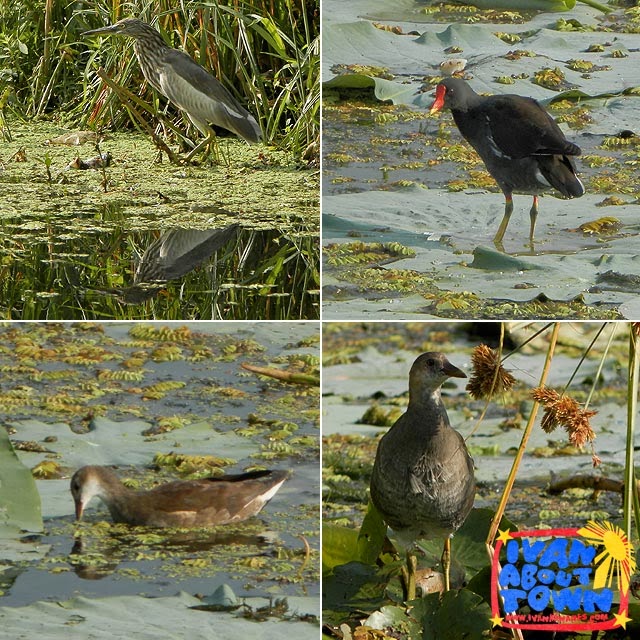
x: 520, y: 144
x: 190, y: 503
x: 422, y: 482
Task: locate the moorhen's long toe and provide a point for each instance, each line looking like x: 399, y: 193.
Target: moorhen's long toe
x: 519, y: 142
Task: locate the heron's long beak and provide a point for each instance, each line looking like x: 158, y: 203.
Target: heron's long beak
x: 113, y: 28
x: 79, y: 509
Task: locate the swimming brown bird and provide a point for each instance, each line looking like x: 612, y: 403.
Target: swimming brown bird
x: 190, y: 503
x: 519, y: 142
x: 423, y: 482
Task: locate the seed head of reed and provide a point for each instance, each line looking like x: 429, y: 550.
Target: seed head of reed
x: 489, y: 376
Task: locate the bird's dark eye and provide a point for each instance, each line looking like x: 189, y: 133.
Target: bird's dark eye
x: 430, y: 362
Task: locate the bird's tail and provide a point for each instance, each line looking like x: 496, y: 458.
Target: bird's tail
x: 560, y: 172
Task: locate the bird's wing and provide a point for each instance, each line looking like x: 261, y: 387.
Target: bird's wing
x: 520, y: 127
x: 216, y: 494
x: 203, y: 97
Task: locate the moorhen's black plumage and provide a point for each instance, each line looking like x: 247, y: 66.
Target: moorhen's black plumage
x: 520, y: 144
x: 423, y: 482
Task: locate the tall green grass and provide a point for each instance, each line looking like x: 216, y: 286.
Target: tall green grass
x: 266, y: 52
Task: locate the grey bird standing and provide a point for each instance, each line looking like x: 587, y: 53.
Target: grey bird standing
x: 188, y: 85
x: 422, y: 482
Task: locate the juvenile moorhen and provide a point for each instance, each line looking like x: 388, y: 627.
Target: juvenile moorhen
x: 520, y: 144
x: 190, y: 503
x: 422, y: 482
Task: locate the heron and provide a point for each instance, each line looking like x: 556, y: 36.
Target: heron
x: 185, y: 83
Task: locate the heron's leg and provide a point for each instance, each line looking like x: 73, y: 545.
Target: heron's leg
x: 533, y: 214
x: 508, y: 210
x: 211, y: 147
x: 446, y: 562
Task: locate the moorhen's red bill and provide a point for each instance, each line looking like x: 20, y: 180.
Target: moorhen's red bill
x: 423, y: 482
x: 520, y: 144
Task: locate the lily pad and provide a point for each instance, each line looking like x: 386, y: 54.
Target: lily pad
x: 19, y: 498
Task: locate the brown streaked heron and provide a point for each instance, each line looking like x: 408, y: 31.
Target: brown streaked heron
x: 185, y: 83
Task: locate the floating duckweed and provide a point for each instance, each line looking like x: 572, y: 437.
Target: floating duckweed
x: 516, y: 54
x: 200, y: 353
x: 595, y: 48
x: 403, y: 184
x: 454, y: 186
x: 617, y: 141
x: 305, y: 441
x: 46, y: 470
x: 606, y: 224
x: 505, y: 80
x: 170, y: 423
x: 446, y: 300
x: 60, y: 374
x: 340, y: 158
x: 134, y: 362
x: 19, y: 392
x: 612, y: 201
x: 187, y: 465
x: 248, y: 432
x: 362, y: 69
x: 362, y: 252
x: 580, y: 65
x: 244, y: 347
x: 571, y: 25
x: 380, y: 417
x: 509, y: 38
x: 281, y: 426
x: 388, y: 27
x: 30, y: 350
x: 253, y: 562
x: 89, y: 355
x: 167, y: 353
x: 196, y: 562
x: 458, y: 152
x: 62, y: 401
x: 226, y: 392
x: 549, y: 78
x: 163, y: 334
x: 160, y: 389
x: 619, y: 53
x: 275, y: 449
x: 597, y: 161
x: 21, y: 370
x: 124, y: 376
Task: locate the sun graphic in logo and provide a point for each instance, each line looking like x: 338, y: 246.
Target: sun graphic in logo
x: 617, y: 557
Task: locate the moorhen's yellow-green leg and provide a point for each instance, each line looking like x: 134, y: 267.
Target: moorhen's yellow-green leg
x: 446, y: 562
x: 533, y: 214
x: 508, y: 210
x: 409, y: 576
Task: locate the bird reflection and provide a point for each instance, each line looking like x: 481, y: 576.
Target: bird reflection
x: 174, y: 254
x: 94, y: 562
